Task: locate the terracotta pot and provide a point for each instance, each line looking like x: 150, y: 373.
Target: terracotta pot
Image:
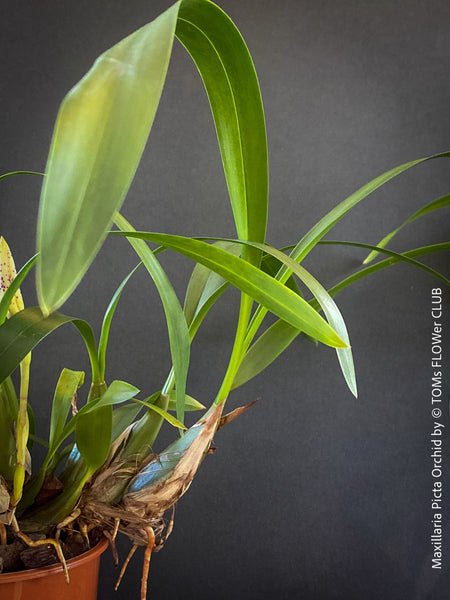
x: 49, y: 583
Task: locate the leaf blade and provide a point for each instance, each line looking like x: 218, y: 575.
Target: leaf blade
x: 100, y: 134
x: 176, y: 323
x: 230, y: 80
x: 251, y: 280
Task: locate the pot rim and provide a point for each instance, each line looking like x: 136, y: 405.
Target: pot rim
x: 52, y: 569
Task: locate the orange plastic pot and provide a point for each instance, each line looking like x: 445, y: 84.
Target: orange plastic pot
x: 49, y: 583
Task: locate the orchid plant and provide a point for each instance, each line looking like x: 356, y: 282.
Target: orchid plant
x: 100, y: 451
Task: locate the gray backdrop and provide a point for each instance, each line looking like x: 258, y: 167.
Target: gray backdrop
x: 312, y: 494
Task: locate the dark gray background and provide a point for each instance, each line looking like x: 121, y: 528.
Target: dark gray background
x: 312, y: 494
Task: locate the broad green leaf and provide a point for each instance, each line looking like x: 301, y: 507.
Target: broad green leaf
x: 93, y: 423
x: 176, y: 322
x: 100, y: 134
x: 106, y: 325
x: 117, y: 392
x: 265, y: 350
x: 13, y: 287
x: 279, y: 299
x: 23, y: 331
x: 93, y: 435
x: 432, y: 206
x: 66, y: 388
x: 227, y: 70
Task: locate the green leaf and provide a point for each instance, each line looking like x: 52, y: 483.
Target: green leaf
x: 280, y: 334
x: 99, y: 137
x: 227, y: 70
x: 66, y: 388
x: 316, y: 233
x: 93, y: 435
x: 93, y: 423
x: 271, y: 266
x: 13, y: 173
x: 176, y: 322
x: 204, y: 284
x: 162, y: 413
x: 432, y: 206
x: 326, y: 303
x: 190, y: 403
x: 264, y: 351
x: 408, y: 257
x: 131, y: 447
x: 123, y: 417
x: 9, y: 407
x: 145, y: 430
x: 267, y: 291
x: 117, y: 392
x: 13, y: 287
x: 23, y: 331
x: 106, y: 325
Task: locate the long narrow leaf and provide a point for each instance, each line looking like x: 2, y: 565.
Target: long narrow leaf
x: 432, y: 206
x: 317, y: 232
x: 267, y: 291
x: 265, y: 350
x: 176, y: 322
x: 100, y: 134
x: 404, y: 257
x: 162, y: 413
x: 228, y: 74
x: 326, y: 303
x: 408, y: 256
x: 280, y: 334
x: 106, y: 325
x: 13, y: 173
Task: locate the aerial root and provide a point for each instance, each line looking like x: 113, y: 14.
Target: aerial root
x: 169, y: 527
x: 67, y: 521
x: 125, y: 565
x: 112, y: 543
x: 52, y: 542
x: 84, y: 532
x: 147, y: 557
